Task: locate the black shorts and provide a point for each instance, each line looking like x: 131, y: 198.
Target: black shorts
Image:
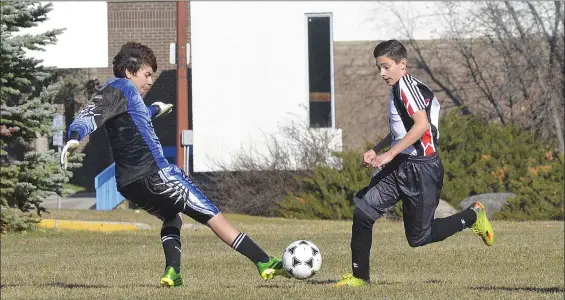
x: 417, y: 180
x: 168, y: 192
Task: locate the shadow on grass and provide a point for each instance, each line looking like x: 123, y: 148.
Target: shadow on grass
x: 430, y: 281
x: 320, y: 281
x: 307, y: 281
x: 379, y: 282
x: 77, y: 286
x: 434, y: 281
x: 546, y: 290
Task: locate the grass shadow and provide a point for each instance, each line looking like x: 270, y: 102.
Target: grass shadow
x: 378, y: 282
x: 270, y: 286
x: 434, y: 281
x: 320, y: 281
x: 545, y: 290
x: 76, y: 285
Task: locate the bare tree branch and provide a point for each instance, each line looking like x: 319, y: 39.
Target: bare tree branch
x: 425, y: 66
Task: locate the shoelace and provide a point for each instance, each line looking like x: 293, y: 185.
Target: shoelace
x: 478, y: 224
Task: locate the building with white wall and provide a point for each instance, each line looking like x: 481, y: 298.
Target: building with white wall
x: 254, y: 65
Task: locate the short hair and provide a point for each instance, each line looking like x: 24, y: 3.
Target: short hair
x: 131, y: 57
x: 391, y: 48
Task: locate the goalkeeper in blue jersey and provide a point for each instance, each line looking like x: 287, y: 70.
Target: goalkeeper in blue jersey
x: 143, y: 175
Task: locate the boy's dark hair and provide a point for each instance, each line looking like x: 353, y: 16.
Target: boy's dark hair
x: 391, y: 48
x: 131, y: 57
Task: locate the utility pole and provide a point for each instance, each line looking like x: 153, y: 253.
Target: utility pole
x: 182, y: 80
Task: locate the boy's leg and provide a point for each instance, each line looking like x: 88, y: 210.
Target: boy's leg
x: 361, y: 242
x: 421, y: 184
x: 268, y: 267
x: 372, y: 202
x: 189, y: 200
x: 170, y: 238
x: 239, y: 241
x: 147, y: 194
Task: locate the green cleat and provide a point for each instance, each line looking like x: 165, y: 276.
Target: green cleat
x: 171, y: 278
x: 482, y: 226
x: 272, y: 268
x: 349, y: 280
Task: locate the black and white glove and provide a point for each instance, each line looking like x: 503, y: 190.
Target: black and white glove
x: 69, y: 148
x: 163, y: 108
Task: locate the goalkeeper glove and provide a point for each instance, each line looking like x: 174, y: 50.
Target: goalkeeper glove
x: 69, y: 147
x: 163, y: 108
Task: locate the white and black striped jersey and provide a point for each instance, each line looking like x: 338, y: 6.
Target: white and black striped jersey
x: 408, y: 96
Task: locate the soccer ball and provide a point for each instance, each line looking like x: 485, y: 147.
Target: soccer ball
x: 302, y: 259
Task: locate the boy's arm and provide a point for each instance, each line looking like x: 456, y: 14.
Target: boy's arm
x: 99, y: 110
x: 370, y: 155
x: 385, y: 142
x: 421, y: 125
x: 415, y: 105
x: 158, y: 109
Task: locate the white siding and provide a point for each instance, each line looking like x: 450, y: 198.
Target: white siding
x: 249, y: 66
x: 84, y: 44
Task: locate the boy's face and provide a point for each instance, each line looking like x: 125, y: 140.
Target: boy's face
x: 142, y: 79
x: 391, y: 71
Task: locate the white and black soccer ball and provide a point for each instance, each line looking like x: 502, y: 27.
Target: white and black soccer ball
x: 302, y: 259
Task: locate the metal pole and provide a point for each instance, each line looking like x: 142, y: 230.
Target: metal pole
x: 182, y: 80
x: 185, y: 160
x: 59, y: 197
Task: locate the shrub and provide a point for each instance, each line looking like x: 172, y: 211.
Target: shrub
x: 327, y: 193
x: 539, y: 194
x: 481, y: 157
x: 254, y: 182
x: 478, y: 157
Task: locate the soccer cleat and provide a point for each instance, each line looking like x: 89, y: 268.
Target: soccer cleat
x: 349, y: 280
x: 272, y: 268
x: 171, y: 278
x: 482, y: 226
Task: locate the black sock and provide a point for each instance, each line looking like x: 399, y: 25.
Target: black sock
x: 361, y: 241
x: 170, y: 237
x: 245, y: 245
x: 446, y: 227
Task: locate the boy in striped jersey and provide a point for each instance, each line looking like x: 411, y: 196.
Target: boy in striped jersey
x: 410, y: 170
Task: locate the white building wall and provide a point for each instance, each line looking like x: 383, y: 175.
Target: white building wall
x: 249, y: 60
x: 249, y: 65
x: 84, y: 43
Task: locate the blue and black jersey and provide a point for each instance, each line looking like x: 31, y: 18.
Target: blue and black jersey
x: 127, y: 120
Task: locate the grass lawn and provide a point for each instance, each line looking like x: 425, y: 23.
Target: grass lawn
x: 526, y: 262
x: 73, y: 187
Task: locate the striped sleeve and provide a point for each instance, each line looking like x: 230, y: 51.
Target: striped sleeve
x: 99, y: 110
x: 152, y: 110
x: 411, y: 95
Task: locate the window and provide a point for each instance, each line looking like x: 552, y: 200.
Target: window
x: 320, y: 70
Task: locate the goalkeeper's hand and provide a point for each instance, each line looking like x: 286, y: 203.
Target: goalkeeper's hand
x: 163, y: 108
x: 69, y: 148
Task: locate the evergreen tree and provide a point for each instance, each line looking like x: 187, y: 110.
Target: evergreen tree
x: 27, y: 94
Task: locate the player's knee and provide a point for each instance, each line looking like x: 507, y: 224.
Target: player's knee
x: 415, y: 243
x: 175, y: 222
x: 418, y: 240
x: 362, y: 220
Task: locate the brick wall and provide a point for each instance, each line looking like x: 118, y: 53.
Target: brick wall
x: 152, y: 24
x: 362, y: 96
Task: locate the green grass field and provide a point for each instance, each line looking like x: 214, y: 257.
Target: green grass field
x: 526, y: 262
